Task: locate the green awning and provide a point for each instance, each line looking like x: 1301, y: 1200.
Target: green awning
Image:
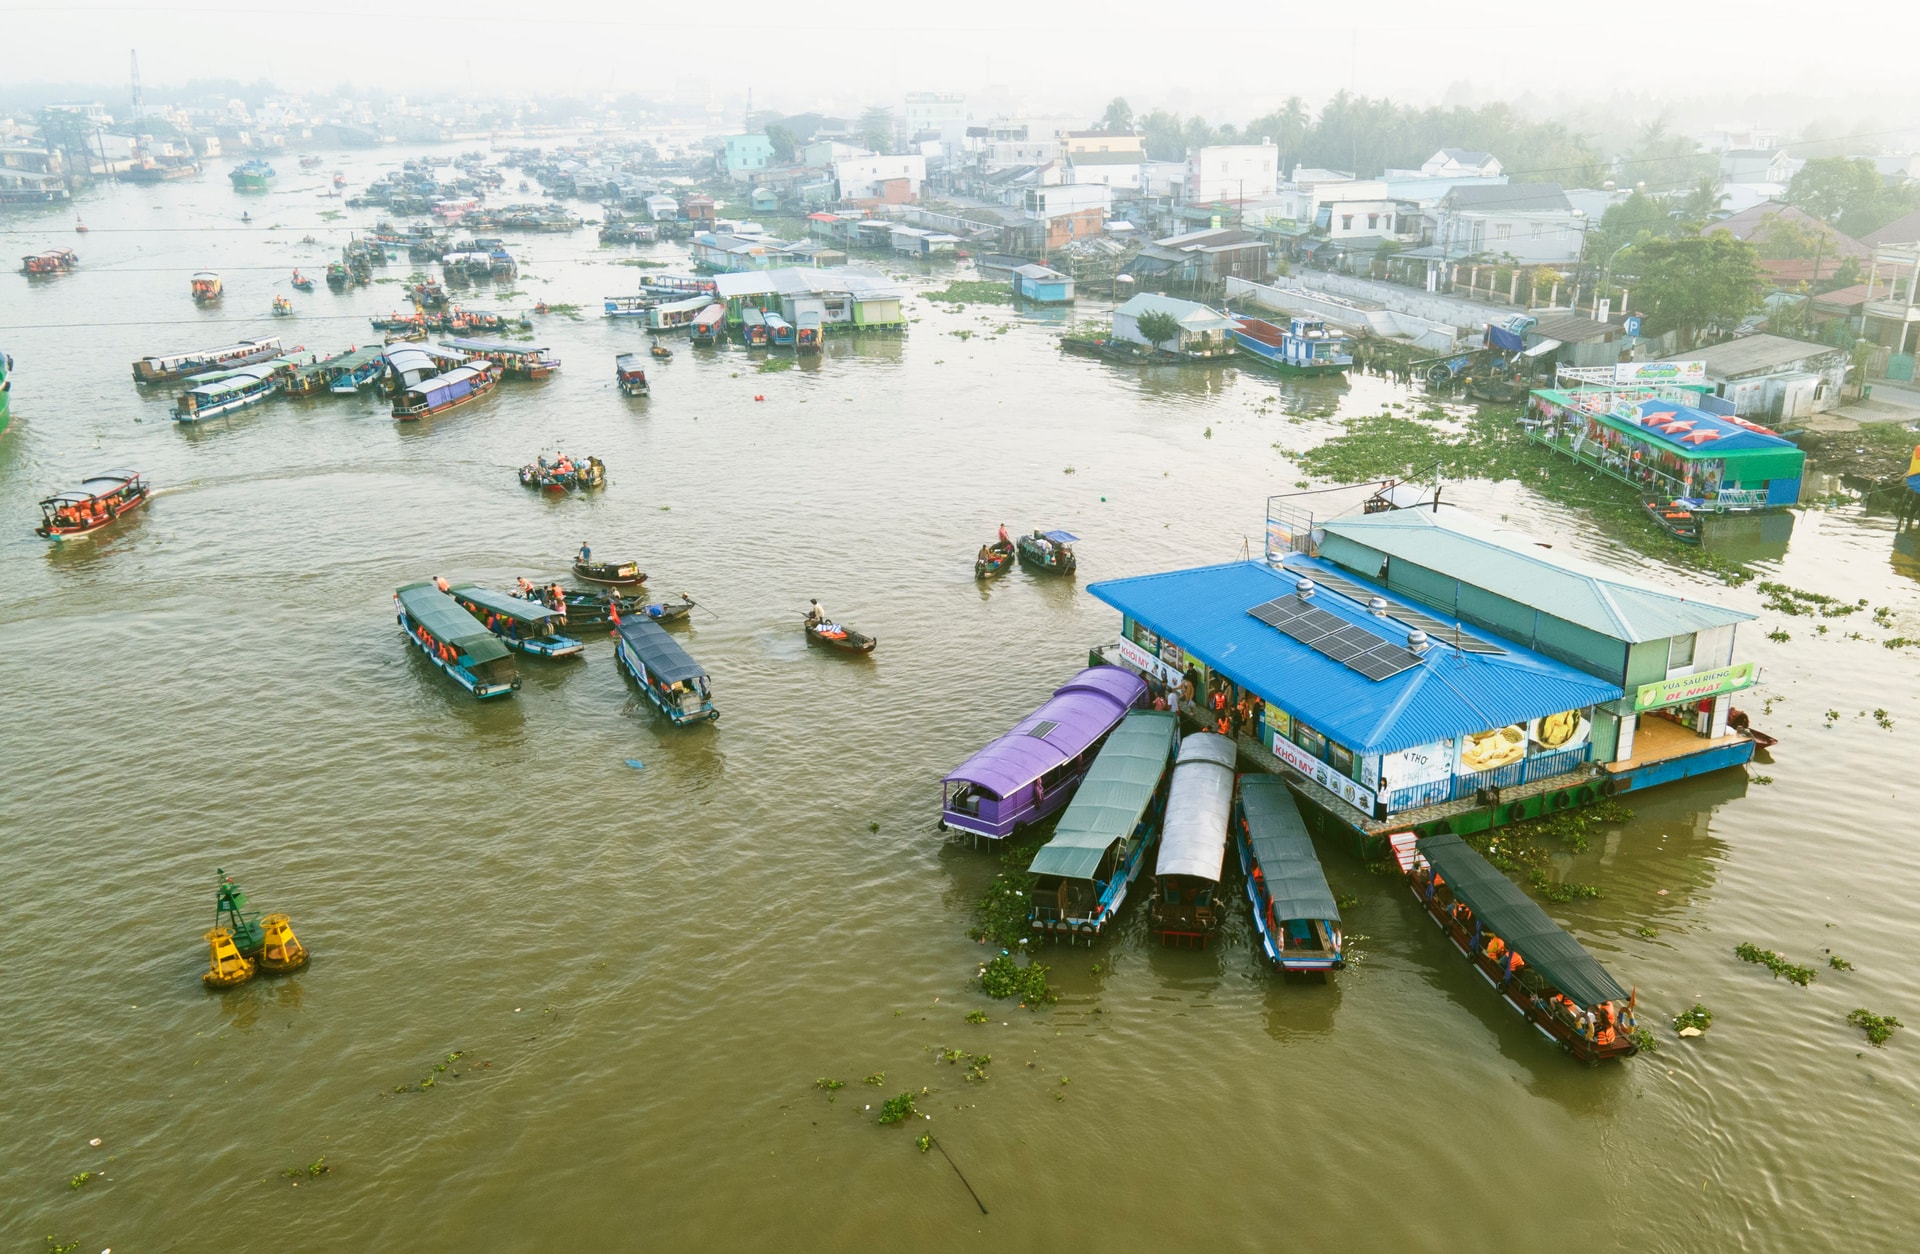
x: 1284, y: 851
x: 448, y: 623
x: 1112, y: 798
x: 506, y: 606
x: 1513, y: 916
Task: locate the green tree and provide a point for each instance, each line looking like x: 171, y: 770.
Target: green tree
x: 1662, y: 161
x: 1158, y: 327
x: 1689, y: 284
x: 1781, y: 238
x: 876, y: 128
x: 1163, y: 136
x: 1286, y: 126
x: 1826, y: 187
x: 1638, y: 217
x: 785, y: 143
x: 1118, y: 117
x: 1704, y: 198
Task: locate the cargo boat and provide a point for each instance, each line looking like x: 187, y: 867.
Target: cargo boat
x: 181, y: 365
x: 251, y: 176
x: 454, y: 641
x: 1303, y: 346
x: 96, y: 502
x: 443, y: 392
x: 1032, y: 771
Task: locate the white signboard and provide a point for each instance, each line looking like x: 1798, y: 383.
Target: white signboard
x: 1140, y: 659
x: 1322, y: 774
x: 1644, y: 372
x: 1422, y: 764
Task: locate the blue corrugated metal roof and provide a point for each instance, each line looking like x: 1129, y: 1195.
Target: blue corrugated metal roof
x: 1204, y: 611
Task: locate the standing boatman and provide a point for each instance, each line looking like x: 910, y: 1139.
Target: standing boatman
x: 585, y: 556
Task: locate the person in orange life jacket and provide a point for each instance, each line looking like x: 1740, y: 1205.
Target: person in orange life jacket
x: 442, y: 584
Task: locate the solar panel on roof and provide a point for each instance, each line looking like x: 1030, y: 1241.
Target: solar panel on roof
x: 1437, y: 631
x: 1349, y: 644
x: 1040, y: 729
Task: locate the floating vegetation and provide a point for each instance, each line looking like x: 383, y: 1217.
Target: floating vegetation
x: 1067, y: 471
x: 1000, y: 916
x: 1763, y: 779
x: 56, y: 1246
x: 923, y: 1142
x: 332, y: 215
x: 1644, y: 1041
x: 1779, y: 635
x: 1838, y: 963
x: 1884, y: 719
x: 641, y: 262
x: 1832, y: 716
x: 962, y: 334
x: 876, y: 1079
x: 1782, y: 599
x: 1345, y: 901
x: 1560, y: 891
x: 962, y: 290
x: 829, y: 1086
x: 1897, y: 642
x: 1003, y: 977
x: 313, y: 1170
x: 774, y: 365
x: 565, y: 311
x: 976, y: 1016
x: 1879, y: 1028
x: 1207, y: 434
x: 1647, y: 931
x: 439, y: 1068
x: 82, y: 1180
x: 1699, y: 1019
x: 896, y: 1109
x: 1746, y: 951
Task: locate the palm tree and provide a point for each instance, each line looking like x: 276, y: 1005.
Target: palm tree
x: 1704, y: 198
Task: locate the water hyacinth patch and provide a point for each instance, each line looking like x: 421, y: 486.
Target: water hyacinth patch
x: 1746, y: 951
x: 1879, y: 1028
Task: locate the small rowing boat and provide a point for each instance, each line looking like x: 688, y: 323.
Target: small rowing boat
x: 994, y: 559
x: 1675, y: 518
x: 837, y: 636
x: 618, y: 574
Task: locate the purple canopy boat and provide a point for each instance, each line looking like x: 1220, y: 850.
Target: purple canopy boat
x: 1031, y: 772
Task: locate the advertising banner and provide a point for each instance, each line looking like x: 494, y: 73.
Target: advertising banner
x: 1144, y: 661
x: 1555, y: 732
x: 1491, y: 750
x: 1696, y: 687
x: 1644, y: 372
x: 1322, y: 774
x: 1422, y: 764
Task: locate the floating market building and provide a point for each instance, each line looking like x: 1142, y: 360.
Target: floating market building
x: 1671, y: 440
x: 1410, y: 672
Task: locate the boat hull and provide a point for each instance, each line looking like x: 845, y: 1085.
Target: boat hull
x: 459, y: 674
x: 87, y: 532
x: 674, y: 714
x: 609, y: 573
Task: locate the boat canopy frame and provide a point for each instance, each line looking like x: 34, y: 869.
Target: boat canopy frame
x: 446, y: 622
x: 1193, y: 839
x: 1283, y: 849
x: 1113, y: 797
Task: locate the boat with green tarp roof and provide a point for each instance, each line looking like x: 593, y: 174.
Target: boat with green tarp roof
x: 1100, y: 842
x: 1294, y: 911
x: 455, y: 641
x: 526, y: 626
x: 1540, y: 971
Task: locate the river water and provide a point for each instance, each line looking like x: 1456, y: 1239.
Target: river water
x: 645, y: 971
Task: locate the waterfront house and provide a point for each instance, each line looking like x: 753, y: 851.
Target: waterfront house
x: 1773, y: 377
x: 661, y: 207
x: 1205, y: 258
x: 889, y: 180
x: 1042, y: 285
x: 1889, y: 313
x: 1232, y: 172
x: 1204, y: 332
x: 742, y: 155
x: 1531, y: 223
x: 842, y: 297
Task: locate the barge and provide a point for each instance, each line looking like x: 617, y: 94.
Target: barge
x: 1303, y: 346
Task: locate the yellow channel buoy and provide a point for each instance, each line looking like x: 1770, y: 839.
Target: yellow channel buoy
x: 226, y: 967
x: 283, y: 952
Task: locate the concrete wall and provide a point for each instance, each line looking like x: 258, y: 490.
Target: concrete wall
x: 1287, y: 295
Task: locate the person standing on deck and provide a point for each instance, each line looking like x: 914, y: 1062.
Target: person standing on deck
x: 586, y: 554
x: 816, y: 615
x: 1004, y: 538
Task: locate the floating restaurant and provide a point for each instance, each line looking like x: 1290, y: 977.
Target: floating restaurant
x: 1679, y: 443
x: 1408, y: 673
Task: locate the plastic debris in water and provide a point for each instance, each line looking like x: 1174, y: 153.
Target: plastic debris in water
x: 636, y: 764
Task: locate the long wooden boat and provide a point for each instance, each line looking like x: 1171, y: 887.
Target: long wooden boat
x: 1049, y: 552
x: 444, y: 392
x: 524, y: 626
x: 1294, y: 913
x: 673, y: 314
x: 629, y: 369
x: 52, y: 261
x: 454, y: 641
x: 1539, y: 971
x: 98, y: 501
x: 615, y: 573
x: 994, y: 559
x: 1082, y: 874
x: 1186, y: 906
x: 1030, y: 773
x: 806, y: 332
x: 180, y: 365
x: 230, y: 390
x: 564, y: 474
x: 515, y: 361
x: 779, y: 331
x: 676, y: 287
x: 753, y: 328
x: 669, y: 611
x: 206, y: 287
x: 1303, y: 346
x: 1674, y: 518
x: 839, y: 636
x: 677, y: 685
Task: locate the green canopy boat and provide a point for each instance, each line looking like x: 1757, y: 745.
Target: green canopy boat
x: 455, y: 641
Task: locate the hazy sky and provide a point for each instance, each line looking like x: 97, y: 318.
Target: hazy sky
x: 1227, y: 61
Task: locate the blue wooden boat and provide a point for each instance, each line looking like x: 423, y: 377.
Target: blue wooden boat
x: 446, y: 391
x: 225, y: 391
x: 1303, y: 346
x: 753, y: 328
x: 675, y: 683
x: 779, y: 331
x: 1081, y: 875
x: 1293, y: 909
x: 1050, y: 552
x: 1185, y: 908
x: 454, y: 641
x: 526, y: 626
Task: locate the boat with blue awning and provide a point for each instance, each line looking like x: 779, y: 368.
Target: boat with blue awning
x: 779, y: 331
x: 525, y: 626
x: 1031, y: 772
x: 1193, y: 848
x: 454, y: 641
x: 1294, y: 913
x: 225, y: 391
x: 446, y: 391
x: 677, y: 685
x: 1081, y: 875
x: 1050, y: 552
x: 1303, y: 346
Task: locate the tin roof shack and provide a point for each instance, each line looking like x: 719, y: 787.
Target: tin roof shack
x: 1569, y: 339
x: 1381, y: 720
x: 1888, y: 318
x: 1202, y: 259
x: 1204, y: 332
x: 839, y: 296
x: 1042, y: 285
x: 1532, y: 223
x: 1661, y: 441
x: 1774, y: 378
x: 1672, y: 656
